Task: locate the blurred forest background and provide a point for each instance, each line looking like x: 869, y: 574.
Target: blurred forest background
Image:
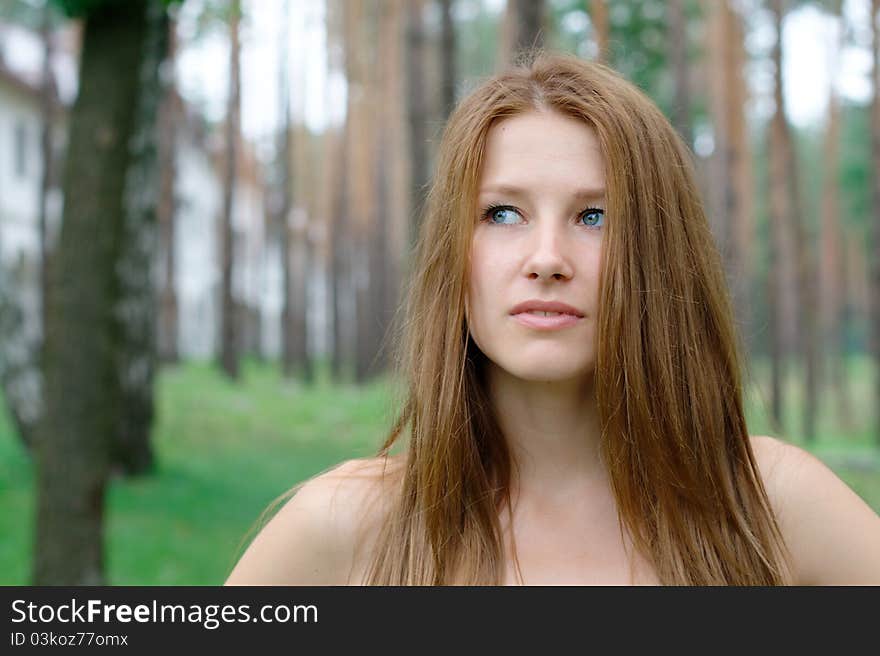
x: 207, y: 209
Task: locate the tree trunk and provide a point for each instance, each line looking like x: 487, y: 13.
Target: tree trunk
x: 301, y: 255
x: 392, y: 200
x: 328, y: 203
x: 779, y: 214
x: 362, y: 118
x: 21, y: 378
x: 807, y: 280
x: 285, y: 183
x: 731, y: 190
x: 678, y: 58
x: 83, y: 394
x: 840, y: 378
x: 742, y: 190
x: 874, y: 246
x: 21, y: 347
x: 528, y: 25
x: 133, y: 453
x: 522, y: 30
x: 447, y: 57
x: 832, y: 288
x: 400, y: 164
x: 417, y: 107
x: 803, y: 259
x: 169, y: 115
x: 377, y: 299
x: 229, y: 313
x: 340, y: 313
x: 598, y: 10
x: 48, y: 102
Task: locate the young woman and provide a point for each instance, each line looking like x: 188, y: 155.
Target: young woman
x: 573, y: 400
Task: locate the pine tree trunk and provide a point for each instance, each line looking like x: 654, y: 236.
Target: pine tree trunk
x: 840, y: 375
x: 297, y: 301
x: 779, y: 213
x: 169, y: 115
x: 390, y: 158
x: 83, y: 394
x: 830, y: 228
x: 309, y: 167
x: 230, y: 327
x: 678, y: 46
x: 286, y: 183
x: 832, y: 283
x: 375, y: 296
x: 301, y: 258
x: 718, y: 173
x: 741, y: 199
x: 341, y: 276
x: 447, y: 57
x: 874, y: 246
x: 731, y: 190
x: 379, y: 250
x: 360, y: 57
x: 598, y: 10
x: 333, y: 186
x: 327, y: 212
x: 529, y: 25
x: 417, y: 107
x: 805, y: 282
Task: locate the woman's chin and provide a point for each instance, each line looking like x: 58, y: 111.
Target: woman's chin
x: 551, y: 372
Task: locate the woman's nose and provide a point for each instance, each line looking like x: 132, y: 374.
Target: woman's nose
x: 548, y: 257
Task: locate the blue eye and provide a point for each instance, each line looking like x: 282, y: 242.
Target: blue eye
x: 594, y: 217
x: 493, y: 211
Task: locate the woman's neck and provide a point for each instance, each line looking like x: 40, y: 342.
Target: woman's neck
x: 552, y: 430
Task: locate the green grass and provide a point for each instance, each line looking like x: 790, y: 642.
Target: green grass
x: 847, y: 443
x: 225, y: 451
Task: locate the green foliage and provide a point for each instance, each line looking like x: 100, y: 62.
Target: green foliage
x: 22, y: 12
x: 855, y: 168
x: 808, y: 144
x: 477, y: 42
x: 759, y: 339
x: 638, y: 43
x: 216, y: 15
x: 853, y: 180
x: 82, y: 8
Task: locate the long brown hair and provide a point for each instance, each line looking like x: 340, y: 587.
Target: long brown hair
x: 668, y: 373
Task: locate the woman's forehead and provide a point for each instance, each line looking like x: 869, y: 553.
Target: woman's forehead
x: 538, y: 149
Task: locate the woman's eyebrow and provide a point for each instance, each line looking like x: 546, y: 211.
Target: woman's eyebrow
x: 513, y: 190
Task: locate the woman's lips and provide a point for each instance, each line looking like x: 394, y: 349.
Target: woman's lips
x: 540, y: 322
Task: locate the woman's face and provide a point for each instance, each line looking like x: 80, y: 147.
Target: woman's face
x: 544, y: 174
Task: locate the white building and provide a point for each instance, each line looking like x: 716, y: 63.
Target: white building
x: 198, y: 243
x: 199, y: 203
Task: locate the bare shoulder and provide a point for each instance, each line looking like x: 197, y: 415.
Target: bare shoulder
x: 314, y: 538
x: 832, y: 534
